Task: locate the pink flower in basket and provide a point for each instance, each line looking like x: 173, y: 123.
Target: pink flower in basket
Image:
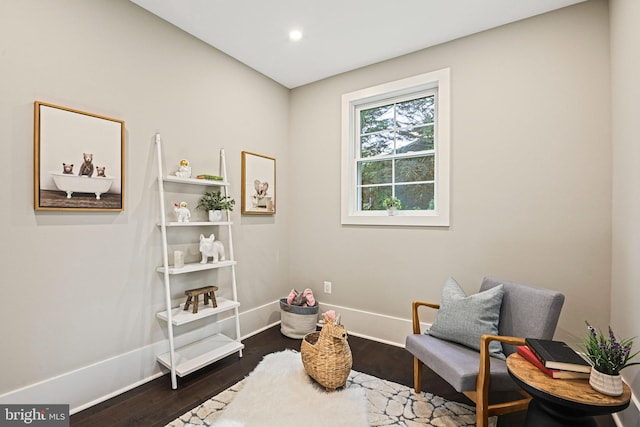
x: 329, y: 316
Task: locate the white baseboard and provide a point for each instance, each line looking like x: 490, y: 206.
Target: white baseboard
x: 630, y: 416
x: 377, y: 327
x: 92, y: 384
x: 87, y: 386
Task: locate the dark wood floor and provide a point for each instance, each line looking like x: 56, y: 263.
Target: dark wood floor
x: 156, y: 404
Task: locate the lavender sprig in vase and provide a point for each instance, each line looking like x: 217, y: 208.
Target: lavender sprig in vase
x: 609, y: 356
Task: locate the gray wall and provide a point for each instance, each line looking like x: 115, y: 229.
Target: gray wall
x: 530, y: 180
x: 625, y: 291
x: 79, y: 288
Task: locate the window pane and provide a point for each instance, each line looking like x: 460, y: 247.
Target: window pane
x: 415, y: 112
x: 415, y: 169
x: 371, y: 198
x: 374, y: 172
x: 376, y: 144
x: 395, y: 142
x: 376, y: 119
x: 416, y: 196
x: 414, y: 139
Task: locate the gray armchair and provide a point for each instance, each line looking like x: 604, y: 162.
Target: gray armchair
x: 526, y: 311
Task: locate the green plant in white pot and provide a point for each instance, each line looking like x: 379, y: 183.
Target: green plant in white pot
x: 609, y: 356
x: 215, y: 202
x: 392, y: 203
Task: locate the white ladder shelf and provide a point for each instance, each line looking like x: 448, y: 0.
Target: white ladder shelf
x: 186, y: 359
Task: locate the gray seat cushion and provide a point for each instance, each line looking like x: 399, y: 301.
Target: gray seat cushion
x: 457, y: 364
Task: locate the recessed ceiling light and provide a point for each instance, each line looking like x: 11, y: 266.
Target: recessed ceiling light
x: 295, y: 35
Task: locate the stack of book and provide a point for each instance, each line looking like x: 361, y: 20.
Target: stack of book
x: 555, y: 358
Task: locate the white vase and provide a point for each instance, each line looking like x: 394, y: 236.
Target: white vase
x: 391, y: 210
x: 611, y: 385
x: 215, y: 216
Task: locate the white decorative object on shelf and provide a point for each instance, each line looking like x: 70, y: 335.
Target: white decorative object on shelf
x: 214, y: 202
x: 215, y: 215
x: 178, y: 259
x: 184, y: 171
x: 210, y: 247
x: 182, y: 211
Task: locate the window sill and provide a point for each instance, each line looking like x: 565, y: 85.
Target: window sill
x: 400, y: 219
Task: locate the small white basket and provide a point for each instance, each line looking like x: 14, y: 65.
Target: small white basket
x: 296, y: 321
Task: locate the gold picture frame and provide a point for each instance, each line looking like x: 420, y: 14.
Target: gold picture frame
x: 258, y: 184
x: 78, y: 160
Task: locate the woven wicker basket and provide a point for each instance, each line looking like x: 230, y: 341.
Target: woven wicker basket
x: 326, y: 356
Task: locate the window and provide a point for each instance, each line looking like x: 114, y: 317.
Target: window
x: 395, y: 143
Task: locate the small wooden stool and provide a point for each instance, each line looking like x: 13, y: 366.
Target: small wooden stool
x: 192, y: 297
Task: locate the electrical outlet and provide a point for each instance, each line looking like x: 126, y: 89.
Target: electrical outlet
x: 327, y: 287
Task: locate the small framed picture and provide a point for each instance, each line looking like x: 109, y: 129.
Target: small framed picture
x: 78, y: 160
x: 258, y: 184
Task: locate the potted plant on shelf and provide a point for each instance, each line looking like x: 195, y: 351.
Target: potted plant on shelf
x: 609, y: 356
x: 392, y: 203
x: 214, y: 202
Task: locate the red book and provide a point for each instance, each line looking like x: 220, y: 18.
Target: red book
x: 527, y: 354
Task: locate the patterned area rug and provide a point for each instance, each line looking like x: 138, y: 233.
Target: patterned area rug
x: 389, y: 404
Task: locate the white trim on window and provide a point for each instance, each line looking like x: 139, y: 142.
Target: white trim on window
x: 439, y: 217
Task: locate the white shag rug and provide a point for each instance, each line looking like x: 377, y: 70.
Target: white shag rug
x: 279, y: 393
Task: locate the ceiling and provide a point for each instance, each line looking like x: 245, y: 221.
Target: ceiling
x: 338, y: 35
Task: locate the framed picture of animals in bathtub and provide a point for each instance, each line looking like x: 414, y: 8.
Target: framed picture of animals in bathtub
x: 258, y: 184
x: 78, y: 160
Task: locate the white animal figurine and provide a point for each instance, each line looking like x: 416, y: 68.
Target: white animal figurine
x: 210, y: 247
x: 182, y: 211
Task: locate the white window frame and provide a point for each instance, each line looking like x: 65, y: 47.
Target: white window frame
x: 439, y: 217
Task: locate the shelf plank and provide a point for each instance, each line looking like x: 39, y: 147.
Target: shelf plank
x: 196, y: 266
x: 180, y: 317
x: 201, y: 353
x: 195, y: 223
x: 195, y: 181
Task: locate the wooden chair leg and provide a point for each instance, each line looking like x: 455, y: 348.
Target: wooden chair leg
x: 482, y: 404
x: 482, y: 417
x: 417, y: 374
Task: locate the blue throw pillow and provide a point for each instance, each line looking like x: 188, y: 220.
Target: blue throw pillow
x: 464, y: 319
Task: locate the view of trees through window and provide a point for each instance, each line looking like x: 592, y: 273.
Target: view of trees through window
x: 396, y: 153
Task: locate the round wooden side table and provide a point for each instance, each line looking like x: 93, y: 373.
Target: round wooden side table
x: 559, y: 402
